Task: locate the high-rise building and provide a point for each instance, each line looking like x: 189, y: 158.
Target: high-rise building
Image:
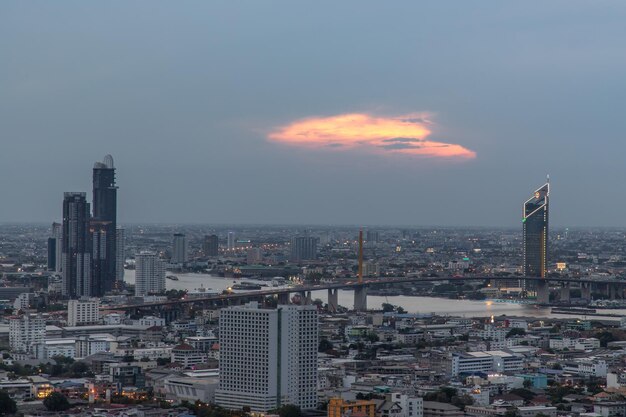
x: 179, y: 249
x: 231, y: 243
x: 535, y: 225
x: 254, y: 256
x: 83, y: 312
x: 120, y: 247
x: 303, y: 248
x: 55, y: 249
x: 100, y: 256
x: 372, y: 236
x: 26, y: 331
x: 76, y: 246
x: 268, y: 357
x: 105, y: 218
x: 149, y: 274
x: 210, y: 246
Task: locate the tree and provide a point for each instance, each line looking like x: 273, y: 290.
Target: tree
x: 289, y: 410
x: 515, y: 332
x: 7, y: 405
x: 56, y: 402
x: 528, y: 383
x: 387, y: 308
x: 324, y: 346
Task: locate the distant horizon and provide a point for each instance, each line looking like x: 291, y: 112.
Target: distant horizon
x: 249, y: 114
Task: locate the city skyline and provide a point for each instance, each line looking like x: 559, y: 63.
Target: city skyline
x: 270, y: 108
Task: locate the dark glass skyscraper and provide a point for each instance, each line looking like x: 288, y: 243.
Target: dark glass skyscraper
x: 76, y: 251
x: 103, y: 225
x: 210, y: 246
x: 535, y: 221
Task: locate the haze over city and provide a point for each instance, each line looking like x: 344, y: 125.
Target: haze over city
x: 424, y: 113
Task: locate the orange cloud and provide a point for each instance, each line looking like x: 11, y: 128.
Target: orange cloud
x: 396, y: 135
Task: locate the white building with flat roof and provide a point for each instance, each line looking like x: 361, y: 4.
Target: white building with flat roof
x: 25, y: 331
x: 83, y: 312
x: 268, y: 357
x: 486, y: 361
x: 149, y: 274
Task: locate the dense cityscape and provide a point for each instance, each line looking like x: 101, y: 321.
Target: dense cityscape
x: 104, y: 319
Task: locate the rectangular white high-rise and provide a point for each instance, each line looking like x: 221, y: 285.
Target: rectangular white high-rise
x: 268, y: 357
x: 83, y: 312
x: 231, y: 244
x: 149, y: 274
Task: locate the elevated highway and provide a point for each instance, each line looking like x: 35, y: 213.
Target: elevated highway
x: 613, y: 288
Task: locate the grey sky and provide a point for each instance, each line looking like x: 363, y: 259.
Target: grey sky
x: 184, y: 94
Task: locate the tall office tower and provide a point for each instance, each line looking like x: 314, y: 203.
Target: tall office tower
x: 535, y: 225
x: 210, y: 246
x: 179, y: 249
x: 76, y: 246
x: 254, y: 256
x: 268, y: 357
x: 231, y: 244
x: 26, y: 331
x: 149, y: 274
x: 105, y: 214
x: 54, y: 248
x: 120, y: 255
x: 303, y: 248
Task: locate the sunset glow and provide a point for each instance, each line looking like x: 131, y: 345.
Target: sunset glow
x: 406, y: 134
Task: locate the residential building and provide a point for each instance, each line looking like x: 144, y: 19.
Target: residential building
x: 25, y: 331
x: 149, y: 274
x: 268, y: 357
x: 486, y: 361
x: 179, y: 249
x: 210, y: 246
x: 104, y: 262
x: 120, y: 254
x: 84, y: 311
x: 303, y: 248
x: 76, y: 246
x: 338, y: 407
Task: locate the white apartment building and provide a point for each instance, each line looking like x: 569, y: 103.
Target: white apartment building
x: 55, y: 347
x: 149, y: 274
x: 83, y: 312
x: 25, y: 331
x: 268, y: 357
x: 24, y: 301
x: 587, y: 367
x: 486, y: 361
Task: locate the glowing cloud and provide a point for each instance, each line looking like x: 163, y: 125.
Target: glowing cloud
x: 388, y: 135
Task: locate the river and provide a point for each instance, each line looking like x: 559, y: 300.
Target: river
x: 423, y: 305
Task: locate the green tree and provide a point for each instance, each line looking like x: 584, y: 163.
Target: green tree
x: 56, y: 402
x: 387, y: 308
x: 7, y: 405
x: 515, y: 332
x: 289, y: 410
x: 324, y: 346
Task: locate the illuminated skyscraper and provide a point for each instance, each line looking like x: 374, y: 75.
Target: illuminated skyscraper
x: 535, y: 224
x: 105, y: 223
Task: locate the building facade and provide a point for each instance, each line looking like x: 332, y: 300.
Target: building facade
x: 120, y: 254
x: 179, y: 249
x: 210, y: 246
x: 303, y: 248
x: 105, y: 220
x: 268, y: 357
x: 26, y: 331
x: 83, y: 312
x: 76, y: 246
x: 535, y: 225
x: 149, y: 274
